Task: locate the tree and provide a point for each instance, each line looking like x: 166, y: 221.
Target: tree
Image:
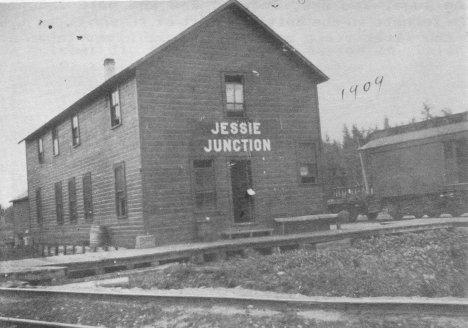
x: 426, y: 112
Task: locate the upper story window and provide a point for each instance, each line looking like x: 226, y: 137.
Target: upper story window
x: 307, y: 163
x: 75, y: 130
x: 234, y: 101
x: 55, y: 141
x: 116, y: 117
x: 40, y: 150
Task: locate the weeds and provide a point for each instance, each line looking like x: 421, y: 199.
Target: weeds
x: 430, y: 264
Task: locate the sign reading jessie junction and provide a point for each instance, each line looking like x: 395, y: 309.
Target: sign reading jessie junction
x: 237, y: 137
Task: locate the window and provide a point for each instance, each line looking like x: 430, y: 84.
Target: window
x: 55, y: 141
x: 448, y: 150
x: 72, y: 200
x: 40, y: 150
x: 116, y: 118
x: 59, y: 202
x: 87, y: 197
x: 39, y: 206
x: 75, y: 131
x: 234, y: 85
x: 120, y: 191
x: 204, y: 185
x: 307, y: 163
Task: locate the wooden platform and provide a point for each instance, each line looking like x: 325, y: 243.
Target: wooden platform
x: 102, y: 262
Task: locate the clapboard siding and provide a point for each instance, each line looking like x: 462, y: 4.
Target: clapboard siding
x: 101, y: 147
x: 182, y: 84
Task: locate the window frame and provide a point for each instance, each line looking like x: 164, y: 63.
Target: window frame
x: 59, y: 202
x: 88, y: 198
x: 229, y: 113
x: 204, y: 190
x: 55, y: 138
x: 39, y: 214
x: 40, y: 150
x: 112, y: 107
x: 72, y: 201
x: 76, y: 138
x: 311, y: 165
x: 120, y: 193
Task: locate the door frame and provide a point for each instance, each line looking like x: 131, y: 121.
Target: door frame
x: 231, y: 193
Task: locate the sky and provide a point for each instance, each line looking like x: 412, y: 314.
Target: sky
x: 384, y: 58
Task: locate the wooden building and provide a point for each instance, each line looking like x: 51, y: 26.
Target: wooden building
x: 21, y: 223
x: 217, y: 127
x: 421, y: 168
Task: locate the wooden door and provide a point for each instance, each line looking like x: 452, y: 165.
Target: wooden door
x: 241, y: 181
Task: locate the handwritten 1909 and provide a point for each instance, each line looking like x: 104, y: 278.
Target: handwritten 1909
x: 366, y: 87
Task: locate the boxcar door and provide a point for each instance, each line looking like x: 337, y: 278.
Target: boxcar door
x: 241, y: 181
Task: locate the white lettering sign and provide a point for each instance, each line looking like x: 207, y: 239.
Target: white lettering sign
x: 244, y: 144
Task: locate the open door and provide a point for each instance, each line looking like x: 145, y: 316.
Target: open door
x: 241, y: 182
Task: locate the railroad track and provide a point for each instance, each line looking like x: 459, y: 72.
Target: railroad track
x: 27, y: 323
x: 444, y: 306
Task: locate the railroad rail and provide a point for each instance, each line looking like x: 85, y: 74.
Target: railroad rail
x: 16, y: 322
x: 445, y: 306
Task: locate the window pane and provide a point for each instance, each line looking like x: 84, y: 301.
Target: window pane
x: 304, y: 171
x: 87, y: 197
x: 204, y: 184
x: 38, y: 205
x: 230, y: 93
x: 308, y: 179
x: 119, y: 178
x: 115, y: 97
x: 72, y: 200
x: 120, y: 193
x: 75, y: 121
x: 239, y: 93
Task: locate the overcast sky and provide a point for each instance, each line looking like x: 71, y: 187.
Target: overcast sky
x: 52, y: 54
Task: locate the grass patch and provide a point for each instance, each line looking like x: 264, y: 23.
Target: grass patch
x: 430, y: 264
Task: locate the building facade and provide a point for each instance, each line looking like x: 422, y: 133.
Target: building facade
x: 220, y: 124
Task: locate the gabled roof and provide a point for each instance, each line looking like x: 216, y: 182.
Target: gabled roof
x: 22, y: 196
x: 129, y: 71
x: 417, y: 135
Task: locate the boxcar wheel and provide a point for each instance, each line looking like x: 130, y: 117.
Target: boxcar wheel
x: 394, y: 211
x: 353, y: 216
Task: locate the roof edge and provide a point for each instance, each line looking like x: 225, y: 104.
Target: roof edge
x: 215, y: 12
x: 131, y: 69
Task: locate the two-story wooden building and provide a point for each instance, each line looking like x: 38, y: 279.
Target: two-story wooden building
x: 219, y: 124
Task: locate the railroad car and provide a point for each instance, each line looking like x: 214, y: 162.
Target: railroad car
x: 418, y: 169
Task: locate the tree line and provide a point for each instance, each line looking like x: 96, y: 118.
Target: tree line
x: 341, y: 164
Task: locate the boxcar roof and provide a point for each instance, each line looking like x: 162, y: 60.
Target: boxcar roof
x: 417, y: 135
x: 129, y: 71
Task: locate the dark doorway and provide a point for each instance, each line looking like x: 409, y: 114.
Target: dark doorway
x: 241, y: 181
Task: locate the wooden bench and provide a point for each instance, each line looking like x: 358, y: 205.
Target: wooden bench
x: 248, y: 232
x: 328, y: 219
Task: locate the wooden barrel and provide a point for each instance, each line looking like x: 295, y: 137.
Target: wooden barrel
x: 95, y: 235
